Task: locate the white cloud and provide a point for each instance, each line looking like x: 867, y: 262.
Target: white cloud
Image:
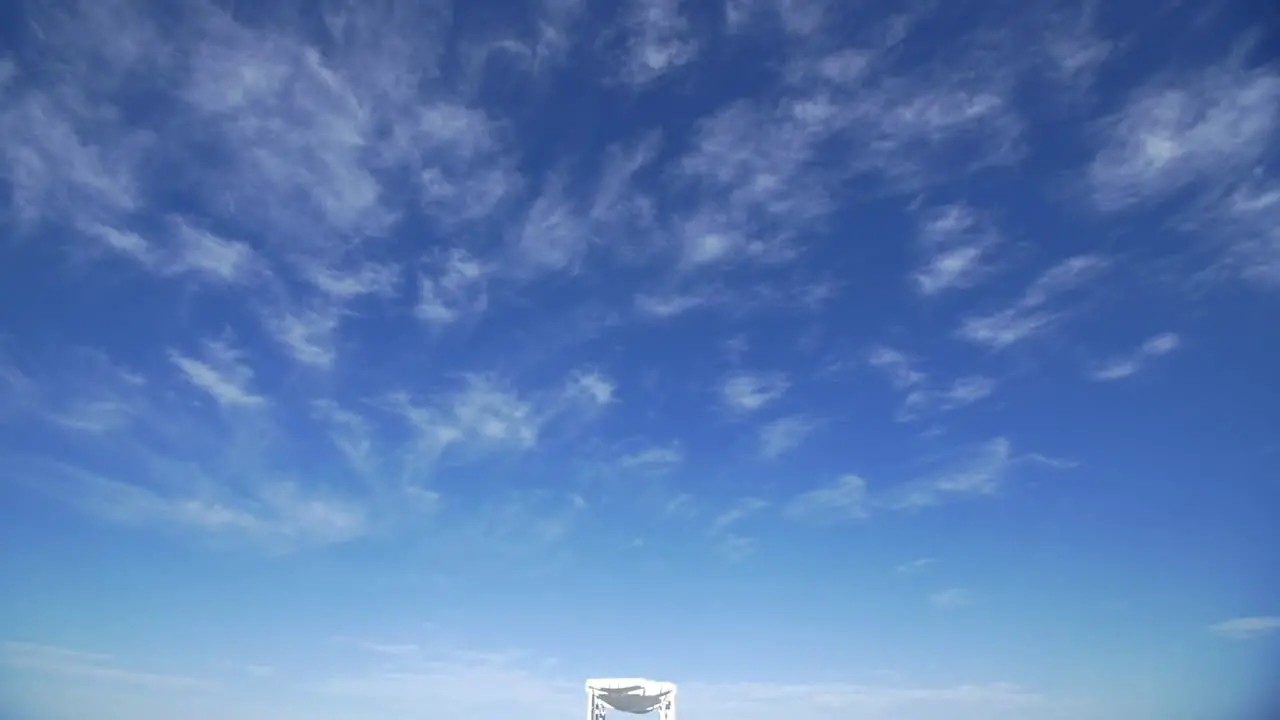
x: 1246, y: 628
x: 956, y: 243
x: 1126, y: 365
x: 523, y: 525
x: 592, y: 386
x: 920, y: 400
x: 620, y: 208
x: 26, y: 657
x: 659, y: 458
x: 1245, y: 224
x: 964, y: 391
x: 752, y: 166
x: 843, y: 499
x: 85, y: 392
x: 734, y: 547
x: 481, y: 410
x: 680, y: 504
x: 914, y: 566
x: 293, y: 127
x: 457, y: 290
x: 1074, y: 47
x: 1031, y: 315
x: 778, y: 437
x: 665, y: 305
x: 221, y: 373
x: 95, y: 416
x: 899, y: 367
x: 660, y: 40
x: 555, y: 32
x: 1211, y: 126
x: 951, y: 598
x: 708, y: 247
x: 466, y: 172
x: 740, y: 510
x: 350, y: 433
x: 200, y: 251
x: 348, y: 283
x: 57, y: 167
x: 307, y: 334
x: 980, y: 471
x: 747, y: 392
x: 276, y: 515
x: 554, y: 235
x: 124, y: 242
x: 797, y: 17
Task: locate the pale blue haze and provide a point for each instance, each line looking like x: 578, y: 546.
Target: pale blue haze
x: 888, y: 361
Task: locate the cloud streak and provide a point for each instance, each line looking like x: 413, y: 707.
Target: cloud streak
x: 1123, y: 366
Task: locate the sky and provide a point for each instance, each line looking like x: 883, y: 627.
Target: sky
x: 408, y: 359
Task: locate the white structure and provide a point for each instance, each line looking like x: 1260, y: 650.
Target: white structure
x: 631, y: 695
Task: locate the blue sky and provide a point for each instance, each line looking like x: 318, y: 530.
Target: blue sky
x: 831, y: 360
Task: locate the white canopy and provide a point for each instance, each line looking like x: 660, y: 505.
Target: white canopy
x: 631, y: 695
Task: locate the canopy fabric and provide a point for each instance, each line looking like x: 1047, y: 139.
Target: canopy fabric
x: 631, y: 695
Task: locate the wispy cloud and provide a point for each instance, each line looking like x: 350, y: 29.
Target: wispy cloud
x: 481, y: 410
x: 453, y: 680
x: 978, y: 471
x: 781, y: 436
x: 1246, y: 628
x: 1209, y: 126
x: 1205, y: 136
x: 659, y: 40
x: 734, y: 547
x: 914, y: 566
x: 1034, y: 312
x: 900, y: 368
x: 343, y: 282
x: 308, y: 335
x: 951, y: 598
x: 1075, y: 48
x: 920, y: 400
x: 845, y: 498
x: 26, y: 657
x: 591, y: 386
x: 277, y: 515
x: 670, y: 304
x: 955, y: 243
x: 1123, y: 366
x: 220, y: 372
x: 84, y: 392
x: 657, y: 459
x: 485, y: 411
x: 747, y: 392
x: 923, y: 402
x: 727, y: 540
x: 455, y: 290
x: 828, y: 701
x: 740, y: 510
x: 1244, y: 225
x: 202, y: 252
x: 350, y: 433
x: 260, y: 671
